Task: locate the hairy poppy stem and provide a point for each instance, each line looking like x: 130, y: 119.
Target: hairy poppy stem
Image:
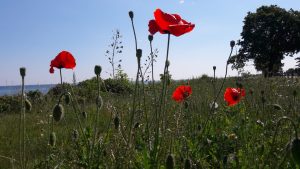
x: 60, y: 76
x: 132, y: 24
x: 96, y: 122
x: 218, y: 94
x: 161, y: 108
x: 22, y: 121
x: 134, y: 103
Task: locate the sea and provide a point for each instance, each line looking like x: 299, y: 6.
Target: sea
x: 15, y: 90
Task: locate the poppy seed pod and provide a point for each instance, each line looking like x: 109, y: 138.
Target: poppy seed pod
x: 139, y: 53
x: 130, y: 14
x: 170, y: 163
x: 28, y: 105
x: 150, y: 37
x: 98, y: 70
x: 187, y: 164
x: 116, y: 122
x: 52, y: 139
x: 58, y: 112
x: 23, y: 71
x: 295, y: 149
x: 232, y: 43
x: 214, y: 68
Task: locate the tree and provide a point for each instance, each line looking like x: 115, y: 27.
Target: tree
x: 268, y: 35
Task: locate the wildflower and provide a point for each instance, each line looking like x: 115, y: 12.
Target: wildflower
x: 63, y: 60
x: 169, y: 23
x: 181, y: 93
x: 233, y: 95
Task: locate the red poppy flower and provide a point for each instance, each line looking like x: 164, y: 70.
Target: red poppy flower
x: 181, y: 93
x: 63, y: 60
x: 233, y: 95
x: 169, y: 23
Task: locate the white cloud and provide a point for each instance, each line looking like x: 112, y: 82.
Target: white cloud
x: 181, y: 1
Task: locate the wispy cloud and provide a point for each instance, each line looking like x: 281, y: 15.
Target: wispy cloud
x: 181, y: 1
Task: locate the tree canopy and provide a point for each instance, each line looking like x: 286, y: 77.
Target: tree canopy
x: 268, y: 35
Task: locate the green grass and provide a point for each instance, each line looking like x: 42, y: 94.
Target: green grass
x: 230, y: 137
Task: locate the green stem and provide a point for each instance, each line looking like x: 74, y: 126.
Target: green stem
x: 134, y: 103
x: 276, y: 133
x: 162, y: 99
x: 61, y: 82
x: 21, y: 138
x: 219, y: 92
x: 96, y: 121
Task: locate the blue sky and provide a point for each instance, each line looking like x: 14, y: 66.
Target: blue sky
x: 33, y: 32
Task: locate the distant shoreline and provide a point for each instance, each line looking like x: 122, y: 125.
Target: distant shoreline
x: 16, y: 89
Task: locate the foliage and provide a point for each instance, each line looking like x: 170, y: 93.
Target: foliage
x: 268, y: 35
x: 10, y: 104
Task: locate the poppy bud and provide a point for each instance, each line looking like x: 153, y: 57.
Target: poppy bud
x: 58, y: 112
x: 170, y: 163
x: 130, y: 14
x: 294, y: 93
x: 67, y: 99
x: 28, y: 105
x: 98, y: 70
x: 232, y: 43
x: 139, y: 53
x: 84, y: 114
x: 52, y: 140
x: 214, y: 67
x: 116, y: 122
x: 23, y: 71
x: 187, y: 164
x: 295, y: 149
x: 99, y: 101
x: 150, y: 37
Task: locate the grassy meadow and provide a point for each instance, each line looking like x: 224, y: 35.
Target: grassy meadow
x: 191, y: 134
